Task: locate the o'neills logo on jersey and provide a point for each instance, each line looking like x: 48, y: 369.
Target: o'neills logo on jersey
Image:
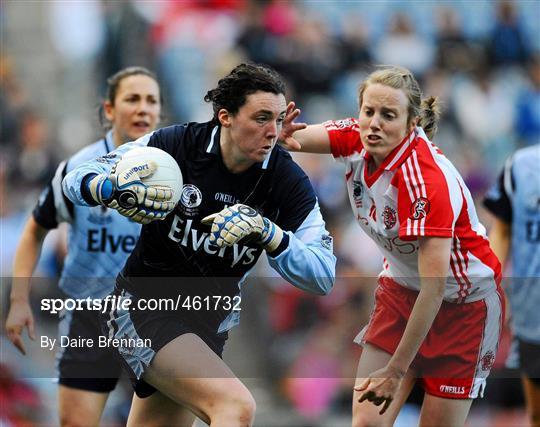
x: 452, y: 389
x: 420, y: 208
x: 358, y: 193
x: 389, y: 217
x: 190, y: 200
x: 487, y: 360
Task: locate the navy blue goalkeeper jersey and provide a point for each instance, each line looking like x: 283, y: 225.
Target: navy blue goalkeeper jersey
x: 174, y: 256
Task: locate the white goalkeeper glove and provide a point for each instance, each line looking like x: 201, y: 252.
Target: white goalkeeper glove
x: 236, y: 222
x: 124, y: 191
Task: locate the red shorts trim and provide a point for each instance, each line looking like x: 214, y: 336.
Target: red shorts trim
x: 455, y: 358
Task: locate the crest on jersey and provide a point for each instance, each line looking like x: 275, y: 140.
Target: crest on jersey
x: 191, y: 196
x: 344, y: 123
x: 487, y: 360
x: 190, y: 199
x: 358, y: 193
x: 100, y: 215
x: 420, y: 208
x: 326, y: 241
x: 389, y: 217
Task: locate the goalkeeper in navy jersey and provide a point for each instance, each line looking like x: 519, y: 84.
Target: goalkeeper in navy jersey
x: 242, y: 194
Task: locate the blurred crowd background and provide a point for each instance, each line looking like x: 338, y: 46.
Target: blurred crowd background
x: 295, y: 352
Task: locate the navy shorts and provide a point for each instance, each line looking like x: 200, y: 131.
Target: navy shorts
x: 140, y: 334
x: 529, y: 360
x: 92, y: 369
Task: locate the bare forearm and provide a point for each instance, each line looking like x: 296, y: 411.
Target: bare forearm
x: 26, y: 258
x: 425, y: 309
x: 499, y: 239
x: 313, y: 139
x: 433, y: 262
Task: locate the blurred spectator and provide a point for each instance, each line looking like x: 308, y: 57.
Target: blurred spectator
x: 527, y: 124
x: 455, y: 53
x: 127, y: 40
x: 404, y: 46
x: 20, y: 404
x: 484, y: 114
x: 33, y: 163
x: 507, y: 43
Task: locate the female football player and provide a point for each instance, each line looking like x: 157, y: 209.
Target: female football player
x: 99, y: 242
x: 237, y: 183
x: 438, y: 310
x: 515, y: 201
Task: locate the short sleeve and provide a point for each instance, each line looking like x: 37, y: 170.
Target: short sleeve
x: 53, y: 207
x: 428, y: 205
x: 497, y: 199
x: 344, y: 137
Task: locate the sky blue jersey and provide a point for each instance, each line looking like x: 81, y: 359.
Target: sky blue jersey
x: 99, y: 239
x: 515, y: 199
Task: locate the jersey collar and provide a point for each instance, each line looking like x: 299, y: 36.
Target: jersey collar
x: 396, y: 157
x: 108, y: 141
x: 213, y: 147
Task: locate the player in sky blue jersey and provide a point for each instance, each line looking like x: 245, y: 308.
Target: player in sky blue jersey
x: 515, y: 202
x: 242, y: 194
x: 99, y: 242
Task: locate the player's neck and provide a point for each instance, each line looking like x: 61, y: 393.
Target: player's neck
x: 117, y: 138
x: 234, y: 161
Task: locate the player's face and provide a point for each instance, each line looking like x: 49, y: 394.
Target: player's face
x: 255, y: 127
x: 136, y: 108
x: 383, y: 120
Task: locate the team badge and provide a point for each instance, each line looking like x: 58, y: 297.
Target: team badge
x: 358, y: 193
x: 190, y: 200
x: 420, y: 208
x: 326, y: 241
x: 389, y: 217
x: 191, y: 196
x: 487, y: 360
x: 344, y: 123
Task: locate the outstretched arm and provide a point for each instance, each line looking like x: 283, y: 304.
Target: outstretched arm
x: 301, y: 137
x: 499, y: 239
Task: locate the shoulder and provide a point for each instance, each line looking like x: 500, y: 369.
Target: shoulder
x: 527, y: 154
x: 284, y: 165
x: 288, y: 176
x: 88, y: 152
x: 182, y: 137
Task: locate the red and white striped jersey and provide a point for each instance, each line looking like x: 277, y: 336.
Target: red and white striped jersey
x: 416, y: 192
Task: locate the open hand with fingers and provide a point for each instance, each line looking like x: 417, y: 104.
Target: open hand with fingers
x: 285, y: 138
x: 380, y: 387
x: 20, y: 317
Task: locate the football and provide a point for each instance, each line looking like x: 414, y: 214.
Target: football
x: 168, y: 172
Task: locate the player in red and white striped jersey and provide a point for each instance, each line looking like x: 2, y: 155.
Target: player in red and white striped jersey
x: 438, y: 307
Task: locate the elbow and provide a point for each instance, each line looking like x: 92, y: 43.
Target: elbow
x: 325, y: 284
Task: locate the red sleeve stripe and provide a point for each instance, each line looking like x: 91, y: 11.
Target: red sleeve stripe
x: 459, y: 262
x: 416, y: 188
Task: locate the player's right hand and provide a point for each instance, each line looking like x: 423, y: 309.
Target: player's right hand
x: 19, y: 317
x: 124, y: 191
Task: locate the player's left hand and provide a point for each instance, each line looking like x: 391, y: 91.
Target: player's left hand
x: 285, y: 138
x: 380, y: 387
x: 236, y: 222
